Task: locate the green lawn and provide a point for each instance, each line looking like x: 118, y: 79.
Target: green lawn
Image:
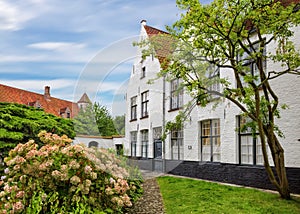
x: 182, y: 195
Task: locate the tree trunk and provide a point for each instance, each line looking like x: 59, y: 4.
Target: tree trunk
x: 279, y: 180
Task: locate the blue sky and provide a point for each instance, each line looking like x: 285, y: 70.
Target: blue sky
x: 75, y: 46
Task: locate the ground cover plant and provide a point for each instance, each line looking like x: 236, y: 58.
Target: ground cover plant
x: 63, y: 178
x: 181, y: 195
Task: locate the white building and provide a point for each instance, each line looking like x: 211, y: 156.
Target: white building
x: 209, y: 135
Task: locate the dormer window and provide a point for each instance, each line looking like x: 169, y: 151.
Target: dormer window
x: 65, y: 112
x: 35, y: 104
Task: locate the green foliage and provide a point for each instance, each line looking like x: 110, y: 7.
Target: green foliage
x: 181, y: 195
x: 234, y: 36
x: 119, y: 122
x: 85, y: 122
x: 64, y: 178
x: 230, y: 34
x: 104, y: 121
x: 20, y: 123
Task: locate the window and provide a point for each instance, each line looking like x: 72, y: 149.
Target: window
x: 250, y: 64
x: 133, y: 140
x: 143, y: 74
x: 210, y: 140
x: 214, y: 77
x: 176, y: 98
x: 133, y: 105
x: 177, y: 144
x: 250, y: 151
x: 144, y: 137
x: 157, y: 133
x: 145, y: 100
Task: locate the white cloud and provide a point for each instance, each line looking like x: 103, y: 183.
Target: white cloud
x: 38, y: 85
x: 14, y: 14
x: 59, y: 46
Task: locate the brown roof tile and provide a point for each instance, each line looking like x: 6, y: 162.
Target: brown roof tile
x: 52, y: 105
x: 162, y: 42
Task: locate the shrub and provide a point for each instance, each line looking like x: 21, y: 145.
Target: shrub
x: 64, y: 178
x: 20, y: 123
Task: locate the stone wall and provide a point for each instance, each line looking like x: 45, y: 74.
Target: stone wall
x: 252, y: 176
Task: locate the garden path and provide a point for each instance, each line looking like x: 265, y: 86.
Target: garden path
x: 151, y: 201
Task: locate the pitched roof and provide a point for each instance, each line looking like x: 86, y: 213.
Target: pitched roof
x: 162, y: 42
x: 50, y: 104
x: 84, y: 99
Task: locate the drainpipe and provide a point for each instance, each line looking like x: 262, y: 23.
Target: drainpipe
x: 163, y: 126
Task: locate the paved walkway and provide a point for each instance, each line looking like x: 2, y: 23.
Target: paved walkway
x: 151, y: 201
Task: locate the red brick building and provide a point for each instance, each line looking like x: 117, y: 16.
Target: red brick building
x: 52, y: 105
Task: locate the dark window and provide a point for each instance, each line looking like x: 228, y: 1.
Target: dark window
x: 250, y: 151
x: 93, y: 144
x: 214, y: 78
x: 133, y: 105
x: 177, y: 144
x: 145, y: 100
x: 143, y: 74
x: 250, y: 65
x: 210, y: 140
x: 133, y: 140
x: 176, y: 97
x: 145, y: 139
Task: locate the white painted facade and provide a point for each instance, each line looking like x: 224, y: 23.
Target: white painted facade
x: 98, y: 141
x: 226, y: 113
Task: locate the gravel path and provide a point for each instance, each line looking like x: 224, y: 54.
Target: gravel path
x: 151, y: 201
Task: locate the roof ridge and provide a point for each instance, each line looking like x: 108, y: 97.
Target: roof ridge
x: 32, y: 92
x: 156, y: 29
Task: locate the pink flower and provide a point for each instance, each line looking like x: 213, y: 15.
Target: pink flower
x: 75, y: 180
x: 56, y: 174
x: 20, y: 194
x: 74, y: 164
x: 87, y: 169
x: 18, y: 206
x: 16, y: 167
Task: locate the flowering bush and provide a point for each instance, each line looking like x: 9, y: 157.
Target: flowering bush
x: 64, y: 178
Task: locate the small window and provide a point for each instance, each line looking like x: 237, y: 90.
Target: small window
x: 145, y: 139
x: 250, y: 151
x: 177, y: 144
x: 250, y: 65
x: 133, y: 105
x: 214, y: 81
x: 210, y: 140
x: 176, y: 97
x: 143, y: 74
x: 133, y: 141
x: 145, y: 101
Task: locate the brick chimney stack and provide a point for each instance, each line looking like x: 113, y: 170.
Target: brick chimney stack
x: 47, y: 92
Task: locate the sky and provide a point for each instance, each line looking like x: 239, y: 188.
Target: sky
x: 76, y: 46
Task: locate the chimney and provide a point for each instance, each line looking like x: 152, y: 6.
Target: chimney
x: 47, y: 92
x: 144, y: 22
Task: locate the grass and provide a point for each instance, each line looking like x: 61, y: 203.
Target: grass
x: 183, y: 195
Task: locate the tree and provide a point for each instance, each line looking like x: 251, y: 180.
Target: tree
x: 233, y: 35
x: 20, y: 123
x: 85, y: 121
x: 104, y: 121
x: 119, y: 122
